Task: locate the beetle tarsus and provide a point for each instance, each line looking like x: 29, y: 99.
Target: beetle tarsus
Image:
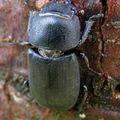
x: 88, y: 26
x: 88, y: 65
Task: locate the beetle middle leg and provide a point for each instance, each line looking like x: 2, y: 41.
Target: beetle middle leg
x: 88, y: 65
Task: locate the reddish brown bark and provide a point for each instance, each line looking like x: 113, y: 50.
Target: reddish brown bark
x: 102, y: 49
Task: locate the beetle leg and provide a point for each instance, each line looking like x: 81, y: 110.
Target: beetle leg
x: 88, y: 65
x: 83, y: 100
x: 26, y: 83
x: 88, y: 26
x: 112, y: 84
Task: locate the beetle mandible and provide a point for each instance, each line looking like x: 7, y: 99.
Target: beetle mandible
x: 54, y: 73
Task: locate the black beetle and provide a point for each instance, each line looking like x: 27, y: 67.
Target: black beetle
x: 54, y: 75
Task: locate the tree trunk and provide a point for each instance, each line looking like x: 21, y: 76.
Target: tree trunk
x: 102, y: 49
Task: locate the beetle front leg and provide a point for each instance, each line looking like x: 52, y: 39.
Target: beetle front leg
x: 88, y: 65
x: 88, y: 26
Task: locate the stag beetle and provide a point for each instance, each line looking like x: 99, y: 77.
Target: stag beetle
x: 54, y: 73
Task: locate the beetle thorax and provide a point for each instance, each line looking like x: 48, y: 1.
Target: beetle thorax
x: 49, y: 53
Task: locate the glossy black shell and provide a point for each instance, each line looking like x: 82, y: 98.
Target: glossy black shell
x: 54, y: 82
x: 54, y: 27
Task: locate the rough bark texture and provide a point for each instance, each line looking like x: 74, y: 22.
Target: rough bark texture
x: 102, y: 49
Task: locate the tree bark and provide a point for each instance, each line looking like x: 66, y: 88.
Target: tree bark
x: 102, y: 49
